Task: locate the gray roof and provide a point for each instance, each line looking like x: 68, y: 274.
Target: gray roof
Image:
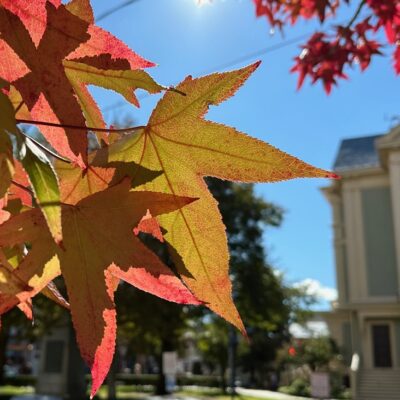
x: 357, y: 153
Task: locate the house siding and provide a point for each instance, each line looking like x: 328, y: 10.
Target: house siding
x: 347, y: 349
x: 397, y: 340
x: 379, y: 242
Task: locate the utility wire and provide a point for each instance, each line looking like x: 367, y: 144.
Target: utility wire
x: 113, y: 10
x: 238, y: 60
x: 247, y: 57
x: 257, y: 53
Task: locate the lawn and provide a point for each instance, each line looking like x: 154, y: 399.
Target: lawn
x: 126, y: 392
x: 6, y: 392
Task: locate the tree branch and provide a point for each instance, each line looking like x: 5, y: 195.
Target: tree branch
x: 81, y: 128
x: 356, y: 14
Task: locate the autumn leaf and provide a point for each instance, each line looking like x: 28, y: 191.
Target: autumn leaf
x: 42, y: 82
x: 76, y: 184
x: 10, y: 283
x: 39, y: 169
x: 20, y: 186
x: 7, y: 124
x: 148, y: 224
x: 82, y: 9
x: 4, y: 214
x: 51, y: 292
x: 123, y: 82
x: 39, y: 267
x: 99, y: 247
x: 13, y: 285
x: 7, y: 116
x: 6, y: 163
x: 44, y: 183
x: 39, y: 75
x: 184, y: 147
x: 32, y: 14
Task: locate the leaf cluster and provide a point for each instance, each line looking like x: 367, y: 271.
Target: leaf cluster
x: 76, y: 213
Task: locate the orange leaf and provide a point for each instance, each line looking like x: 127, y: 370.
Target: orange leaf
x: 99, y: 246
x: 184, y: 147
x: 35, y: 39
x: 148, y: 224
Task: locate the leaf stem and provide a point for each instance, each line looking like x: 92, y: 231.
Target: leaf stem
x: 19, y: 107
x: 45, y: 149
x: 175, y: 90
x: 82, y: 128
x: 22, y: 187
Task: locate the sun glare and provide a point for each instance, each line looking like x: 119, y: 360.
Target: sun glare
x: 201, y: 3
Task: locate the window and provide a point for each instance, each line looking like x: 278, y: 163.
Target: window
x: 382, y: 351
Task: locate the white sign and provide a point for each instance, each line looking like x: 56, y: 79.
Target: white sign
x: 320, y: 385
x: 170, y: 362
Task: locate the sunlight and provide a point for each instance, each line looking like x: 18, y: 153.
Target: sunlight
x: 201, y: 3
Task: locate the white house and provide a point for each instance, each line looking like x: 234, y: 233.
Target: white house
x: 365, y: 320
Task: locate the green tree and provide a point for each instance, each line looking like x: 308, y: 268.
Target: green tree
x: 317, y: 353
x: 150, y: 325
x: 266, y: 305
x: 259, y: 293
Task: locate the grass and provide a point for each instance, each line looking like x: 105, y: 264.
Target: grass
x: 6, y: 392
x: 127, y: 392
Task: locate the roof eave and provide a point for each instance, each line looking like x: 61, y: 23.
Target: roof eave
x: 359, y: 171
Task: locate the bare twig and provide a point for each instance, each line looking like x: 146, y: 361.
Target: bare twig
x: 81, y: 128
x: 356, y: 14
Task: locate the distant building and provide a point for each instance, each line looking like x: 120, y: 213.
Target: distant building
x: 365, y: 320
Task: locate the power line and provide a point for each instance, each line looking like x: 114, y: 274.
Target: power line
x: 113, y: 10
x: 255, y: 54
x: 246, y: 57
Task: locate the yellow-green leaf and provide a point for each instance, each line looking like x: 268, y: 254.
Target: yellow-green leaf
x: 6, y: 163
x: 124, y: 82
x: 45, y: 186
x: 184, y: 147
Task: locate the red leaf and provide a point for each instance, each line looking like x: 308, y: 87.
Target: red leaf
x: 103, y: 50
x: 150, y: 225
x: 4, y: 215
x: 20, y: 186
x: 32, y: 14
x: 396, y: 57
x: 99, y: 250
x: 36, y: 52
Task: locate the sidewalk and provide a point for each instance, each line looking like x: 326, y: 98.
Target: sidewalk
x: 260, y: 394
x: 267, y: 394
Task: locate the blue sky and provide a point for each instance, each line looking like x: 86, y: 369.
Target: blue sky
x: 184, y: 39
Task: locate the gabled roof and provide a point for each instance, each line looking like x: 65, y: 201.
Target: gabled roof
x: 357, y: 153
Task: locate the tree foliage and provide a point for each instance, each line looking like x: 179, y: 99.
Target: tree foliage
x: 316, y: 353
x: 262, y: 299
x: 327, y: 55
x: 79, y: 216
